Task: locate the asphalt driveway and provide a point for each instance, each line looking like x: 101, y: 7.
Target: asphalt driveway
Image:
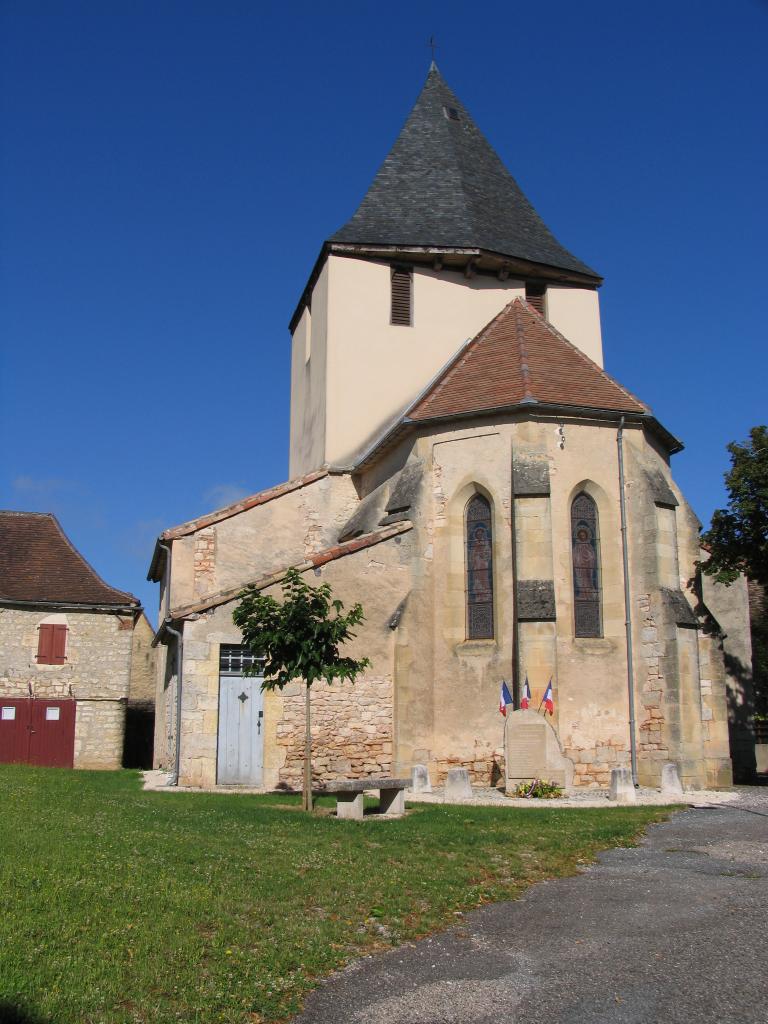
x: 673, y: 930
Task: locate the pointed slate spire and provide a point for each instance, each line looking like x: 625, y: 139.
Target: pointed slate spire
x: 443, y: 185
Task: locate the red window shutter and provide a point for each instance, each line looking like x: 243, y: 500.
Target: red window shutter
x: 45, y: 645
x: 58, y: 654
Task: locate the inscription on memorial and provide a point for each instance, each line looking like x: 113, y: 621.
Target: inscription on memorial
x: 530, y: 749
x: 533, y: 751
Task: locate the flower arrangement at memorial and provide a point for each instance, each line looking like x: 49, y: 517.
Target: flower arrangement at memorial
x: 539, y: 789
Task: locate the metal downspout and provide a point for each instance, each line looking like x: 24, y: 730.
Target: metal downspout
x: 627, y: 603
x: 515, y: 621
x: 179, y: 666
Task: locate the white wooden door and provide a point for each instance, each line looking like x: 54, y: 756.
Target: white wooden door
x: 240, y: 758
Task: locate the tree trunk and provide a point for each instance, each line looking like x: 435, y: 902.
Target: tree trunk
x: 307, y: 802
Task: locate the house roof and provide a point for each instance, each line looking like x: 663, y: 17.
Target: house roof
x: 443, y: 185
x: 40, y: 565
x: 520, y: 359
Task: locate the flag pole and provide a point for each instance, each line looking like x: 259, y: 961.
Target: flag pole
x: 504, y: 737
x: 504, y: 730
x: 549, y: 684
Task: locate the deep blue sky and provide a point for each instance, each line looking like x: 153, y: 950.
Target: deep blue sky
x: 170, y: 170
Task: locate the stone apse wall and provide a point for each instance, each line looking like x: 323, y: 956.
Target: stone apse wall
x: 431, y: 695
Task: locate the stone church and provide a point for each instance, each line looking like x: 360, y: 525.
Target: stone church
x: 504, y: 509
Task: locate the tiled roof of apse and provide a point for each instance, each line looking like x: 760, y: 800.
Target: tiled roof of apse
x: 40, y: 565
x: 444, y: 185
x: 520, y: 359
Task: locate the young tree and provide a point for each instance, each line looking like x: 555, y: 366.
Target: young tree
x: 299, y: 639
x: 738, y: 538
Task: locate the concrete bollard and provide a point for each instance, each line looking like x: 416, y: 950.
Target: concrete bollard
x: 671, y: 785
x: 622, y: 787
x: 420, y: 779
x: 457, y: 785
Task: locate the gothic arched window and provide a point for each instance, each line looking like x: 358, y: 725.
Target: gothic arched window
x: 585, y: 554
x: 479, y: 575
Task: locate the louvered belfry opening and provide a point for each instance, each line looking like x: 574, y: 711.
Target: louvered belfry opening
x: 402, y: 297
x: 534, y: 295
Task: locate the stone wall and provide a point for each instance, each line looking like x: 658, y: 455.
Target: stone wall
x: 143, y: 667
x: 96, y: 674
x: 99, y: 731
x: 651, y: 744
x: 351, y: 731
x: 485, y: 767
x: 730, y: 608
x: 262, y: 539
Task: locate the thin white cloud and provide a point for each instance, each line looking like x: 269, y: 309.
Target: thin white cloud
x: 43, y: 487
x: 221, y: 495
x: 138, y: 539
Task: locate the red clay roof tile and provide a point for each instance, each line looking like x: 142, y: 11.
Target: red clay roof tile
x: 518, y: 359
x: 39, y: 564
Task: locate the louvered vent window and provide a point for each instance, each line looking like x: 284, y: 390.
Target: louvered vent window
x: 535, y: 295
x: 402, y: 297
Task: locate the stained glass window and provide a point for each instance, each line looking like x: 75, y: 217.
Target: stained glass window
x: 585, y: 554
x: 479, y: 537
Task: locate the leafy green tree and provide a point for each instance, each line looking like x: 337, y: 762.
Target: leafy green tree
x: 299, y: 639
x: 738, y: 537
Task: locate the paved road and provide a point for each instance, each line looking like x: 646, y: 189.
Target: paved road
x: 675, y: 930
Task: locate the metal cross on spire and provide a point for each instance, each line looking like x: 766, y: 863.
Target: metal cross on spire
x: 433, y: 46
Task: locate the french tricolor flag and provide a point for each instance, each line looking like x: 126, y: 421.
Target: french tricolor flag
x: 525, y: 699
x: 504, y: 698
x: 549, y: 700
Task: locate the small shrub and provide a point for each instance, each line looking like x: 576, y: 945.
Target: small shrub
x: 540, y: 789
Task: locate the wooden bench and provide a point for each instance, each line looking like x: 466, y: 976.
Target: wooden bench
x: 349, y: 796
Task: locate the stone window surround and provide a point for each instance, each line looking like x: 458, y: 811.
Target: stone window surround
x: 589, y: 489
x: 478, y: 498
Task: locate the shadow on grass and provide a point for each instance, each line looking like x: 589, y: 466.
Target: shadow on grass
x: 10, y: 1013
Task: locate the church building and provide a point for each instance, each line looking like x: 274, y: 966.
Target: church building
x: 462, y: 465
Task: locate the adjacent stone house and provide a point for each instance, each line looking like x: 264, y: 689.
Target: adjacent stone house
x: 461, y: 464
x: 67, y: 642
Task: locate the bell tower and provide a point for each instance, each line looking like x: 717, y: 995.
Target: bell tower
x: 443, y: 239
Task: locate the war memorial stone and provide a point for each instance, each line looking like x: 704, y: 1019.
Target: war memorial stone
x: 533, y: 751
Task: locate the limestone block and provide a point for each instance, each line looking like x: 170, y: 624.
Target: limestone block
x: 622, y: 788
x: 457, y: 785
x: 420, y: 782
x: 670, y: 781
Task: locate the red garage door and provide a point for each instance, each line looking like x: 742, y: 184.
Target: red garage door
x: 34, y: 731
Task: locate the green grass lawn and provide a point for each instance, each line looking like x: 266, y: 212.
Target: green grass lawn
x: 125, y: 906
